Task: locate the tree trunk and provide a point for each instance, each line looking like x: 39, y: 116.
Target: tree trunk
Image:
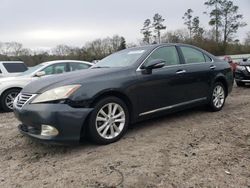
x: 159, y: 36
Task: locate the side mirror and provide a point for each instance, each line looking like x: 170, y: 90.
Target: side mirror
x: 154, y: 64
x: 40, y: 74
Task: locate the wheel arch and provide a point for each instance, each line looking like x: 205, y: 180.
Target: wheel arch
x: 109, y: 93
x: 222, y: 80
x: 117, y: 94
x: 10, y: 88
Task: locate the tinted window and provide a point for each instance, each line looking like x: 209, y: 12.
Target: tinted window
x: 0, y: 71
x: 169, y: 54
x: 78, y: 66
x: 15, y: 67
x: 192, y: 55
x: 55, y: 69
x: 208, y: 59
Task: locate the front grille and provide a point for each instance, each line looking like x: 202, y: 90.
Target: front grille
x: 22, y: 99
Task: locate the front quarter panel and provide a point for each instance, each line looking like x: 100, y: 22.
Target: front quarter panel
x: 123, y: 82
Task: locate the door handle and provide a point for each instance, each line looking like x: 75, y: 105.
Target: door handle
x: 181, y: 71
x: 212, y: 67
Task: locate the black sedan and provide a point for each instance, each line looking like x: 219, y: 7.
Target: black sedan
x: 242, y: 73
x: 126, y: 87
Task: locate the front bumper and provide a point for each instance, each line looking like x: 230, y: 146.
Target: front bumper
x: 67, y: 120
x: 242, y: 76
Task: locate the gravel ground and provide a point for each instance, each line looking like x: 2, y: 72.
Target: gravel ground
x: 194, y: 148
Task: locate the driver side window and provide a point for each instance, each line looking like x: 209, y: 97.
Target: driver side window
x: 168, y: 54
x: 55, y: 69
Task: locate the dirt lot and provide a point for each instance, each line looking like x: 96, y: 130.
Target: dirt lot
x: 194, y: 148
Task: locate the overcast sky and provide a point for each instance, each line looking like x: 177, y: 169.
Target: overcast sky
x: 46, y: 23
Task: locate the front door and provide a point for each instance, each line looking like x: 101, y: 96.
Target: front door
x: 164, y: 87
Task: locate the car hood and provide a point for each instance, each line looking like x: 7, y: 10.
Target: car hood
x: 77, y: 77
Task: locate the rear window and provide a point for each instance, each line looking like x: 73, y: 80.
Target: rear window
x: 15, y: 67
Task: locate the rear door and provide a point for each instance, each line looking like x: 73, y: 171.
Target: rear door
x: 78, y: 66
x: 199, y: 69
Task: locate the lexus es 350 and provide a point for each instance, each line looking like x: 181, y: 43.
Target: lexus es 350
x: 126, y: 87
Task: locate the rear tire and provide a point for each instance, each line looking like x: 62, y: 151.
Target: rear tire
x: 7, y: 99
x: 109, y: 121
x: 240, y: 84
x: 218, y: 97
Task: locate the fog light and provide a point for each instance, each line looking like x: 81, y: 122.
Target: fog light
x: 48, y: 130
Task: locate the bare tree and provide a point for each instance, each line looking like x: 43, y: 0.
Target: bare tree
x: 231, y: 21
x: 61, y: 50
x: 247, y: 39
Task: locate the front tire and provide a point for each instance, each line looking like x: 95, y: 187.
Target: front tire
x: 7, y: 99
x: 218, y: 97
x: 109, y: 120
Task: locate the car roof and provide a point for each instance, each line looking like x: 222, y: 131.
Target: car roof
x: 11, y: 62
x: 153, y: 46
x: 65, y: 61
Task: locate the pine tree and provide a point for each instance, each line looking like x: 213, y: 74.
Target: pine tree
x: 158, y: 25
x: 146, y: 31
x: 188, y: 21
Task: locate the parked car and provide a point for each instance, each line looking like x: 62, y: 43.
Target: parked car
x: 11, y: 68
x: 11, y: 86
x: 242, y: 73
x: 126, y: 87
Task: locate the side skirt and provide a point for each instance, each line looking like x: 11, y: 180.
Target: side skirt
x: 173, y: 106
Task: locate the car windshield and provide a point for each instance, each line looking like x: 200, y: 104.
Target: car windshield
x: 123, y: 58
x: 31, y: 70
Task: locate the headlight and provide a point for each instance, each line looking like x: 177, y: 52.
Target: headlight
x: 56, y: 94
x: 241, y: 68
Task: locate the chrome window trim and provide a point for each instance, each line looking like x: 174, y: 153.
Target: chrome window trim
x: 139, y: 67
x: 172, y: 106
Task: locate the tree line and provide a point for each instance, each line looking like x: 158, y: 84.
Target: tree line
x: 219, y: 39
x: 95, y: 50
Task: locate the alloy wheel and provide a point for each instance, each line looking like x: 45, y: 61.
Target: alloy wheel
x: 9, y: 100
x: 218, y: 96
x: 110, y: 121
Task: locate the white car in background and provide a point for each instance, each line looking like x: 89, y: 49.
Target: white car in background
x: 10, y: 87
x: 12, y: 68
